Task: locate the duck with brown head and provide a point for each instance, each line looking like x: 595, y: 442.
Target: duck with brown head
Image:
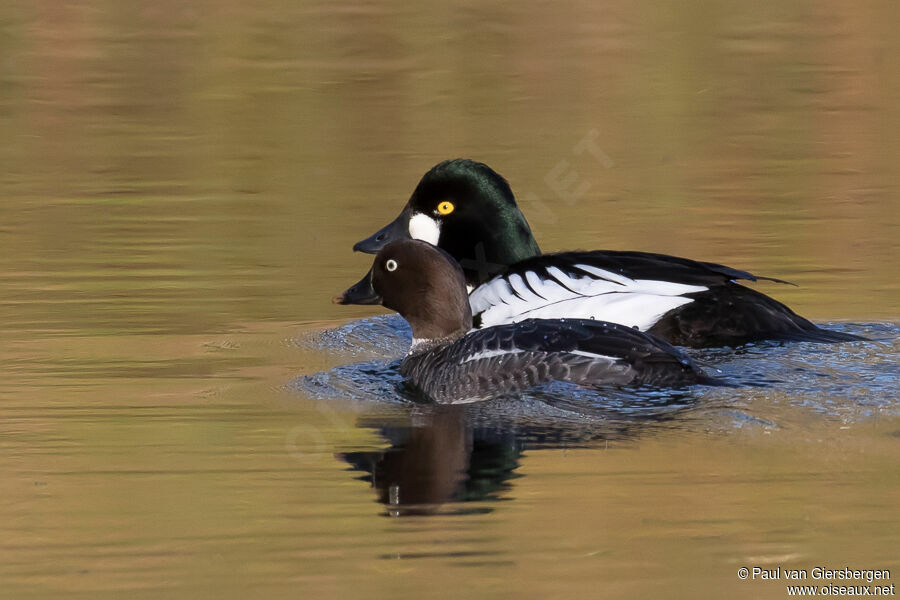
x: 422, y: 283
x: 451, y: 363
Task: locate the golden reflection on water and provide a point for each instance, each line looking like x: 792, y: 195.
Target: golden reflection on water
x: 179, y: 191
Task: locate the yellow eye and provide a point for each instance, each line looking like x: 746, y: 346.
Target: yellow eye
x: 445, y: 207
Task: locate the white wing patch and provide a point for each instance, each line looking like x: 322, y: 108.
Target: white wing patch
x: 611, y: 359
x: 490, y: 354
x: 493, y: 353
x: 594, y: 294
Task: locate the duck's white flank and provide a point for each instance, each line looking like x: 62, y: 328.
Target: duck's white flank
x: 422, y: 227
x: 586, y: 292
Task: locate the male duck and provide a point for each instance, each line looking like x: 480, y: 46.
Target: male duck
x: 450, y: 363
x: 467, y: 209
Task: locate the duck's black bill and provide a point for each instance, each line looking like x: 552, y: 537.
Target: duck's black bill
x: 398, y: 229
x: 361, y: 292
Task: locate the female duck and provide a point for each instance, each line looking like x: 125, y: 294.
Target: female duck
x: 468, y: 210
x: 450, y: 363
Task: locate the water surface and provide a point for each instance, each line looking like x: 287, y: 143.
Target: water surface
x: 185, y: 414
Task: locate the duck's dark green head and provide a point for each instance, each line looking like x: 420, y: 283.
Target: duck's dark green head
x: 467, y: 209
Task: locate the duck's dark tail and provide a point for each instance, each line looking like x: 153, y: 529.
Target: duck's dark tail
x: 731, y: 315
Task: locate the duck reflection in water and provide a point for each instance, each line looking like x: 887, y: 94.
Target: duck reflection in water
x: 437, y: 458
x: 444, y: 455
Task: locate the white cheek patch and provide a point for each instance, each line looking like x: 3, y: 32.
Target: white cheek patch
x: 422, y: 227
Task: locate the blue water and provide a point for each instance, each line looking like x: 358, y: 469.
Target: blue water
x: 854, y: 380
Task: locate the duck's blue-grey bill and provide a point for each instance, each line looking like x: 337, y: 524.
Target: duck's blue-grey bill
x: 361, y: 292
x: 398, y: 229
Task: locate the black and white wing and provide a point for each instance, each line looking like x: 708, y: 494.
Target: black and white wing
x: 634, y: 289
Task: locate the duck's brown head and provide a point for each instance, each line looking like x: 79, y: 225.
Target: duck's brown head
x: 422, y: 283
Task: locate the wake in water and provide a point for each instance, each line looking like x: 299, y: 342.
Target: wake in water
x: 854, y: 380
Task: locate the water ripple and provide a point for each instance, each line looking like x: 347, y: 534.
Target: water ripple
x: 851, y: 381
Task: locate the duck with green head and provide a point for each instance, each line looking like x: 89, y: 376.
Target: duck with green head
x: 469, y: 211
